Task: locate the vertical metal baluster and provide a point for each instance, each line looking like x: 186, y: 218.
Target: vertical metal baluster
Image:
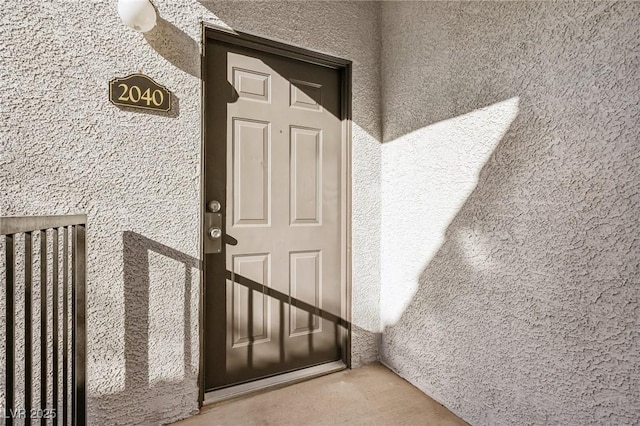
x: 28, y: 270
x: 55, y: 284
x: 74, y: 247
x: 65, y: 325
x: 79, y: 329
x: 43, y: 324
x: 10, y: 326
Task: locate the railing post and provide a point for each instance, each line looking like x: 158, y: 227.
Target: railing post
x: 43, y: 325
x: 65, y: 327
x: 80, y: 346
x: 28, y: 271
x: 10, y: 334
x: 55, y: 314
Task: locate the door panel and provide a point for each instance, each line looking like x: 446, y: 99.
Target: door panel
x: 250, y: 316
x: 306, y: 176
x: 273, y: 159
x: 251, y: 172
x: 306, y: 286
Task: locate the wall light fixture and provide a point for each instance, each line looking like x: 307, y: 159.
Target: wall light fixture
x: 139, y: 15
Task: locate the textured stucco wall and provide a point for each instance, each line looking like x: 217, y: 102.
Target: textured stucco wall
x: 511, y: 206
x: 65, y: 148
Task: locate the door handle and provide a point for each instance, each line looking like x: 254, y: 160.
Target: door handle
x: 215, y: 233
x: 213, y: 229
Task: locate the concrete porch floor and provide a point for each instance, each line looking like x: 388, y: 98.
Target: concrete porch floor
x: 370, y: 395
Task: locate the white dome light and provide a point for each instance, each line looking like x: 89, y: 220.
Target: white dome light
x: 139, y: 15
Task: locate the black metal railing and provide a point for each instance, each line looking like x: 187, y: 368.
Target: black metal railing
x: 70, y: 283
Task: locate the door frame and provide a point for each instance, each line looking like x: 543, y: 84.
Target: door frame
x: 214, y: 32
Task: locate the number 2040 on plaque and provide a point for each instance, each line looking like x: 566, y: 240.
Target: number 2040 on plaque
x: 139, y: 91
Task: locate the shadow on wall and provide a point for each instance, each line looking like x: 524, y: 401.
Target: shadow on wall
x: 430, y: 173
x: 175, y: 46
x: 161, y: 334
x: 528, y: 298
x: 527, y: 311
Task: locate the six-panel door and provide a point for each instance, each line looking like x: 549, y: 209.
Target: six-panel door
x: 279, y: 122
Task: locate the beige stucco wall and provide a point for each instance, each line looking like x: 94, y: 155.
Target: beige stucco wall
x: 511, y: 205
x: 504, y: 201
x: 65, y: 149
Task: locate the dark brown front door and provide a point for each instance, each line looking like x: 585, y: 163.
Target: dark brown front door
x: 273, y: 155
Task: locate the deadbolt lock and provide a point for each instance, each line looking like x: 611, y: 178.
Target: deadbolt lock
x: 214, y: 206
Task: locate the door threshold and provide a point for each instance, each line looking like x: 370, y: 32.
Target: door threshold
x: 272, y: 382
